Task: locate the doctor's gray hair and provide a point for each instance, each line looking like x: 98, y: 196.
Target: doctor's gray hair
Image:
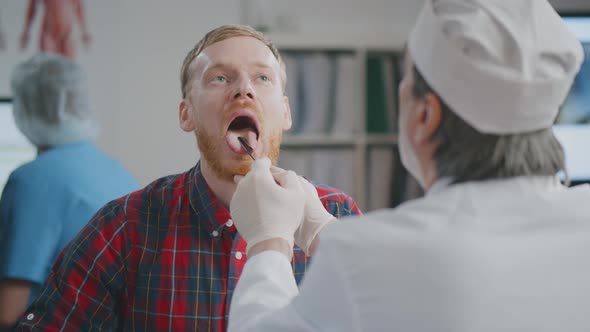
x: 51, y: 104
x: 465, y: 154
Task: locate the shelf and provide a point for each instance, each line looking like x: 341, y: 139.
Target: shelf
x: 317, y: 141
x: 385, y: 139
x: 332, y: 141
x: 338, y: 41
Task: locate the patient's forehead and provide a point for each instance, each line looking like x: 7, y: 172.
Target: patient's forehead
x: 236, y: 51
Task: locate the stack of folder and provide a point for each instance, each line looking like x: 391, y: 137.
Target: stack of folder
x: 323, y: 89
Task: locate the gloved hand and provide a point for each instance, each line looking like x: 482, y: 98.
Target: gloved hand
x: 262, y: 209
x: 315, y: 218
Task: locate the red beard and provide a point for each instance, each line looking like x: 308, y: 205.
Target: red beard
x: 212, y: 151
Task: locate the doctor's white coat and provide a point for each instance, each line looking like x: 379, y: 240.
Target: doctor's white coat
x: 506, y: 255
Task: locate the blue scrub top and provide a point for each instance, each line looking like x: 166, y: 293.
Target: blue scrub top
x: 47, y: 201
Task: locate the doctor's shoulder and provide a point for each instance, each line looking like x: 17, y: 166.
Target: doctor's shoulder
x: 421, y: 215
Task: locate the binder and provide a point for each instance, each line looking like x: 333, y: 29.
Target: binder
x: 379, y: 174
x: 346, y: 83
x: 315, y: 87
x: 334, y: 167
x: 376, y: 108
x: 292, y: 63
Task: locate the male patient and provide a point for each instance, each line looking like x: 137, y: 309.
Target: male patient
x: 168, y: 257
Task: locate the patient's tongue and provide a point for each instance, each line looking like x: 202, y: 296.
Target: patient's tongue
x: 234, y: 144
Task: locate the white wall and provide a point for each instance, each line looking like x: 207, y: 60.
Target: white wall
x: 137, y: 49
x: 138, y: 46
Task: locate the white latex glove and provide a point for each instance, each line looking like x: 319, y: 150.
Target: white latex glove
x: 315, y: 217
x: 263, y: 209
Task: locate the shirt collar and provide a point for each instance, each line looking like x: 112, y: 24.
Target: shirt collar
x: 209, y: 211
x: 440, y: 185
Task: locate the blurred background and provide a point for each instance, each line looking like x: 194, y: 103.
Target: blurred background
x: 137, y: 47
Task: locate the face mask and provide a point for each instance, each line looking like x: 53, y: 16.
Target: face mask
x: 409, y: 158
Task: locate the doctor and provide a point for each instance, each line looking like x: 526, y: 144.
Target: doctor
x: 497, y: 243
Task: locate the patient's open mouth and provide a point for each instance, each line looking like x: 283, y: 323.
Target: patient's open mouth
x: 242, y: 126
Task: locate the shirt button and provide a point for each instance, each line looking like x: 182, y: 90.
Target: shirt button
x: 30, y: 316
x: 229, y: 223
x: 215, y: 233
x: 239, y: 255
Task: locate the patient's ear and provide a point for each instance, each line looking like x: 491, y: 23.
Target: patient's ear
x: 186, y: 117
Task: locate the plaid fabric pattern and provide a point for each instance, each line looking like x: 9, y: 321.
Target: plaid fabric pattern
x: 164, y: 258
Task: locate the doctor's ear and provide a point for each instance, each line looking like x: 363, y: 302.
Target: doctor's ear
x: 430, y: 119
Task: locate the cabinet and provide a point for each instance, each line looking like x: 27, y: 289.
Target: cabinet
x: 343, y: 95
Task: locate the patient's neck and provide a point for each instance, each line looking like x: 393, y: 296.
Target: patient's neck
x: 222, y: 189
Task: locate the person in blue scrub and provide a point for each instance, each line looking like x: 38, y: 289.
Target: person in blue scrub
x: 48, y: 200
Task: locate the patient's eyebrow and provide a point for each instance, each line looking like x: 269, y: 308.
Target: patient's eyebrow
x: 218, y: 65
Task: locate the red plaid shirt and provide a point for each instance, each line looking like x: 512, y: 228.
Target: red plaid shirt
x: 165, y: 258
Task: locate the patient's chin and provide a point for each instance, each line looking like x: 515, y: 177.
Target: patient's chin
x: 227, y: 172
x: 242, y: 169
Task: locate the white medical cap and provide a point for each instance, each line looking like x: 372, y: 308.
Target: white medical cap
x: 51, y: 101
x: 503, y: 66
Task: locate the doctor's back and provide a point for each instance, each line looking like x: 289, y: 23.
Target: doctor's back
x: 48, y: 200
x: 57, y: 194
x: 493, y: 256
